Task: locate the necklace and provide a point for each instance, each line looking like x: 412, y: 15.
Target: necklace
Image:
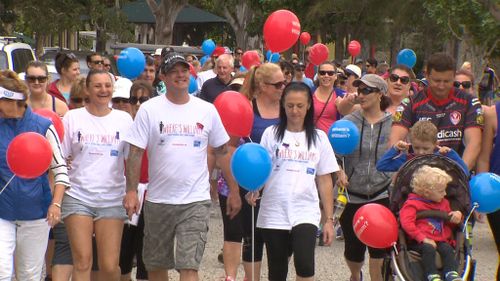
x: 297, y: 142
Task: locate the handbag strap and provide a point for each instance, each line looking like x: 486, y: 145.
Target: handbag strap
x: 324, y: 107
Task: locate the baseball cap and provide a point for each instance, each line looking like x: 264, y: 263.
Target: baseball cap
x: 157, y: 52
x: 171, y: 59
x: 353, y: 69
x: 218, y: 51
x: 11, y: 95
x: 358, y: 61
x: 372, y: 80
x: 121, y: 88
x: 424, y: 81
x: 237, y: 81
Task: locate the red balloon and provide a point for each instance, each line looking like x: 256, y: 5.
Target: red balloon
x: 192, y: 71
x: 310, y: 72
x: 56, y: 121
x: 281, y: 30
x: 305, y: 37
x: 376, y: 226
x: 354, y: 48
x: 318, y: 54
x: 29, y: 155
x: 250, y: 58
x: 236, y: 113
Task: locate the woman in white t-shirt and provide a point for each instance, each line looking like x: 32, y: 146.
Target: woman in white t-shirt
x: 303, y: 161
x: 93, y: 142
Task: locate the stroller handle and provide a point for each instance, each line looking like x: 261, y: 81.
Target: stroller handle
x: 433, y: 214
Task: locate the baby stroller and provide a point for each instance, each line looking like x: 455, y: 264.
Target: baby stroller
x: 404, y: 264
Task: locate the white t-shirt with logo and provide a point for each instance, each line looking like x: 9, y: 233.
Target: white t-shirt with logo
x: 177, y: 137
x: 97, y: 149
x: 290, y: 196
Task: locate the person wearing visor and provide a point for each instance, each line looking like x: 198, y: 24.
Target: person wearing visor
x: 24, y: 231
x: 347, y: 104
x: 179, y: 131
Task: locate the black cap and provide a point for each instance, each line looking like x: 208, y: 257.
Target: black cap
x: 171, y: 59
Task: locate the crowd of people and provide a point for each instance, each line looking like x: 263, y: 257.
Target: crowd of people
x: 141, y: 161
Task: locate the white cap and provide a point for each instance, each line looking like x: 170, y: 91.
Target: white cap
x: 122, y: 88
x: 354, y: 69
x: 158, y: 52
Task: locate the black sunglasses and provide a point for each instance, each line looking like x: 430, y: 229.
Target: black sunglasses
x: 367, y: 90
x: 465, y: 84
x: 33, y: 79
x: 277, y: 85
x: 120, y: 100
x: 97, y: 62
x: 404, y: 79
x: 325, y: 72
x: 141, y: 100
x: 79, y: 100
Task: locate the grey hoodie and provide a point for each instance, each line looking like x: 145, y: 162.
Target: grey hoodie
x: 360, y: 166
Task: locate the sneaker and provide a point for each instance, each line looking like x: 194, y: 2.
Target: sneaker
x: 229, y: 278
x: 339, y: 234
x: 434, y: 277
x: 453, y: 276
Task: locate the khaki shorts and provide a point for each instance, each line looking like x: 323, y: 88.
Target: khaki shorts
x: 164, y: 224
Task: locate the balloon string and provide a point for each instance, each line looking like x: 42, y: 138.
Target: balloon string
x: 13, y: 176
x: 250, y: 139
x: 345, y: 189
x: 474, y: 207
x: 253, y: 243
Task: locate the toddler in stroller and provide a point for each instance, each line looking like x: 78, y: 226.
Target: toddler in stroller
x: 431, y: 234
x: 408, y: 261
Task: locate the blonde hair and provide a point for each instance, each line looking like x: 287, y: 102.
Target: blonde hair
x: 10, y: 81
x: 256, y: 76
x: 424, y: 130
x: 78, y: 88
x: 428, y: 177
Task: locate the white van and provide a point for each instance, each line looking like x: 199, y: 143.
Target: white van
x: 15, y: 56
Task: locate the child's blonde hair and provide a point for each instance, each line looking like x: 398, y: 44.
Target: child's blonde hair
x: 424, y: 131
x: 428, y: 177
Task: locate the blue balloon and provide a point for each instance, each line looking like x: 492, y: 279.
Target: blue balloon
x: 242, y: 69
x: 407, y: 57
x: 344, y: 137
x: 275, y: 57
x: 193, y: 86
x: 251, y: 166
x: 208, y: 47
x: 204, y: 59
x: 268, y: 55
x: 485, y: 191
x: 131, y: 63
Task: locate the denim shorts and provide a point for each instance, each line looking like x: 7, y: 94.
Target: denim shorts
x: 183, y: 227
x: 72, y: 206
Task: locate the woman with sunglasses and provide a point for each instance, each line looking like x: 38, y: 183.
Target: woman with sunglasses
x: 464, y: 80
x: 36, y: 79
x: 121, y: 95
x: 29, y: 207
x: 365, y: 183
x: 263, y: 86
x: 68, y: 67
x: 289, y: 211
x: 93, y: 140
x: 399, y: 84
x: 78, y: 95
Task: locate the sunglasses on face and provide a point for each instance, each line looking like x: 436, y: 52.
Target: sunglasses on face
x: 239, y: 53
x: 33, y: 79
x: 141, y: 100
x: 325, y: 72
x: 465, y: 84
x: 97, y: 62
x: 277, y: 85
x: 79, y: 100
x: 404, y: 79
x: 107, y: 65
x: 120, y: 100
x: 300, y: 68
x: 367, y: 90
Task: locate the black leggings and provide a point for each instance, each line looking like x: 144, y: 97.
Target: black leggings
x: 233, y: 228
x: 428, y: 253
x: 246, y: 219
x: 281, y: 244
x: 131, y: 246
x: 354, y: 249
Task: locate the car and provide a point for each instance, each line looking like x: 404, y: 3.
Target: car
x: 15, y: 56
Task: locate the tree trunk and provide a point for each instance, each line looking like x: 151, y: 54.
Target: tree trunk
x: 100, y: 40
x: 239, y: 19
x: 165, y: 15
x: 39, y: 40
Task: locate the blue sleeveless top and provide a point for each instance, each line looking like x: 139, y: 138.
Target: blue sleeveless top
x: 259, y: 124
x: 495, y: 154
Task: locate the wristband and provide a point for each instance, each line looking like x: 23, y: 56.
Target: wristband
x: 57, y: 205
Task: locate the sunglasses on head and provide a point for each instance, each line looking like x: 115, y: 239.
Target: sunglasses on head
x: 141, y: 100
x: 33, y: 79
x: 79, y: 100
x: 404, y: 79
x: 277, y: 85
x: 367, y: 90
x: 325, y: 72
x: 465, y: 84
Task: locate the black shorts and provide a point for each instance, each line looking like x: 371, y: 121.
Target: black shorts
x: 233, y: 228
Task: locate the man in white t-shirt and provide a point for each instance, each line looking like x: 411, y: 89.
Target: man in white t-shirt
x: 179, y: 132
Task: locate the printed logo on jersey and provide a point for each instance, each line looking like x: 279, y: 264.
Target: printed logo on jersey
x: 197, y: 143
x: 310, y: 171
x: 455, y: 117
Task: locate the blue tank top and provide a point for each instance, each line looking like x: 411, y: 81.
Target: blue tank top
x: 495, y: 154
x: 260, y: 124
